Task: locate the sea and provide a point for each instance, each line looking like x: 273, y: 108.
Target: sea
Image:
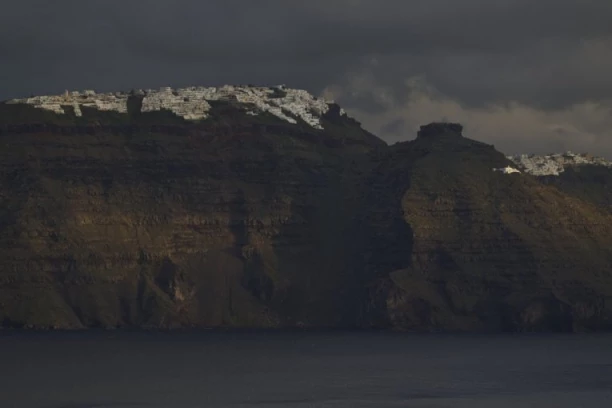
x: 258, y: 369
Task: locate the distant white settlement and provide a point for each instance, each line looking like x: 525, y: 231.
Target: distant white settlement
x: 507, y: 170
x: 192, y: 103
x: 554, y: 164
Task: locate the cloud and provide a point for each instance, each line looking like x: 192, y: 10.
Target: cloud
x: 512, y: 127
x: 546, y: 62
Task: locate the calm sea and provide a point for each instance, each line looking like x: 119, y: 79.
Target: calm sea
x: 281, y: 369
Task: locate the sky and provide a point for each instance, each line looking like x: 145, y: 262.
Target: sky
x: 526, y: 76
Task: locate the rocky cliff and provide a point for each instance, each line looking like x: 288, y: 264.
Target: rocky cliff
x: 487, y: 250
x: 266, y: 207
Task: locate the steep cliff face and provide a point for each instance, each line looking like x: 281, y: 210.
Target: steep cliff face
x: 491, y: 250
x: 238, y: 220
x: 253, y: 216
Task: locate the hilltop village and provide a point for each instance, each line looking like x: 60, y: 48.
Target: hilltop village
x: 192, y: 103
x: 287, y: 104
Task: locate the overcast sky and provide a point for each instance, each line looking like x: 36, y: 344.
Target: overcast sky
x: 525, y: 75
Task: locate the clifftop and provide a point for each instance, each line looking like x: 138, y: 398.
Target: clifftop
x: 555, y: 164
x: 439, y: 129
x: 286, y: 104
x: 192, y: 103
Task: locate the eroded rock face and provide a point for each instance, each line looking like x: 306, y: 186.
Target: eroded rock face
x: 237, y: 221
x: 230, y: 222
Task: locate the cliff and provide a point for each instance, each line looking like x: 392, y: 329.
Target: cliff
x: 266, y: 207
x: 484, y: 250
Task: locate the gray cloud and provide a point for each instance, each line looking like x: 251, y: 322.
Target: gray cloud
x: 530, y: 66
x: 512, y: 127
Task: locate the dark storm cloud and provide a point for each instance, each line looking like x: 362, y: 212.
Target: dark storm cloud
x: 544, y: 55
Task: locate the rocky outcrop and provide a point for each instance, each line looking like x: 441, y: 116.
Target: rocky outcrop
x: 244, y: 219
x: 439, y: 129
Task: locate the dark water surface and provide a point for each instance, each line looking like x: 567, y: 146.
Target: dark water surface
x: 262, y: 369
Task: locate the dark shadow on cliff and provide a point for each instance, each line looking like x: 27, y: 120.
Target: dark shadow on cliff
x: 388, y: 237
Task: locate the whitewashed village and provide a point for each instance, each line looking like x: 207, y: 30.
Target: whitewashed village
x: 192, y: 103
